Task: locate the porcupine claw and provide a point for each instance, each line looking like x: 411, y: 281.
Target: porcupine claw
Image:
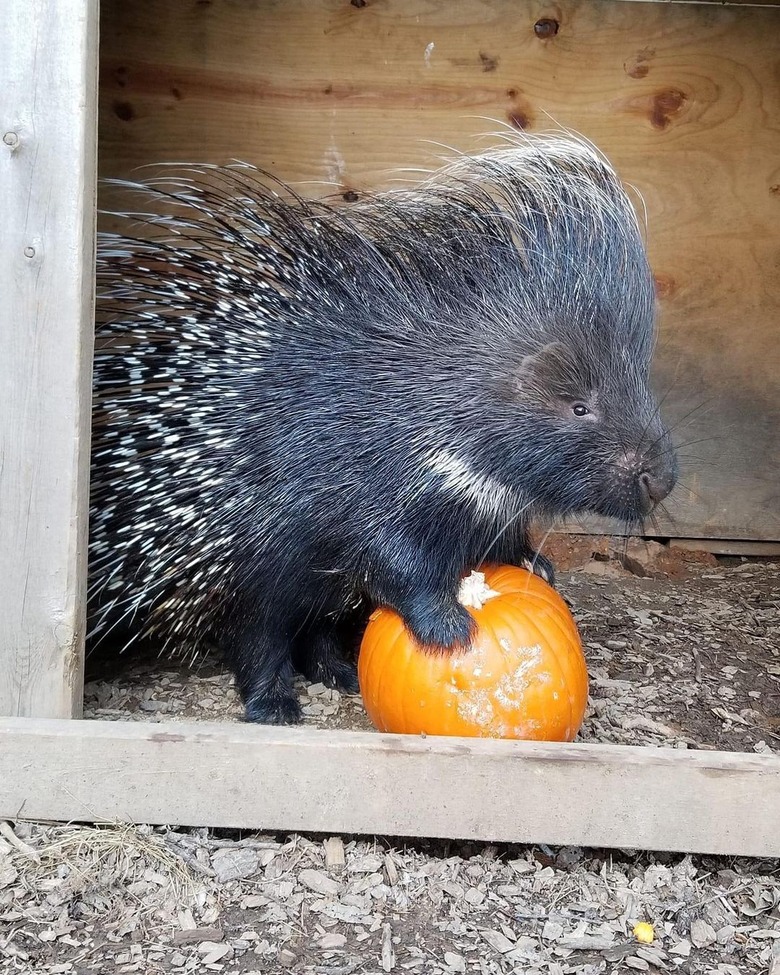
x: 541, y: 567
x: 333, y: 672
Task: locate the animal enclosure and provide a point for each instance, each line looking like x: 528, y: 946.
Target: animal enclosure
x: 345, y: 97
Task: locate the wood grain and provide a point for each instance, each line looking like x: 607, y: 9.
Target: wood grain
x: 254, y: 777
x: 685, y: 98
x: 48, y: 107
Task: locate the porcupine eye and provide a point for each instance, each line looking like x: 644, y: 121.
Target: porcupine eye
x: 578, y: 409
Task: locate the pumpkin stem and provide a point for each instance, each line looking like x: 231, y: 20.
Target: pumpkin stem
x: 474, y: 591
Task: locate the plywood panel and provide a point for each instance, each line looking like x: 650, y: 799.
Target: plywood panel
x: 685, y: 98
x: 48, y: 107
x: 358, y: 782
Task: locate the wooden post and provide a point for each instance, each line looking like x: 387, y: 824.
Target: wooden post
x: 48, y: 113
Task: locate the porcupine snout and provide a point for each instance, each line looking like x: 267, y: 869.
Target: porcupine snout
x: 649, y: 471
x: 654, y: 474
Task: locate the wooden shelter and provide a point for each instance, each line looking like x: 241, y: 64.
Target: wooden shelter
x: 340, y: 96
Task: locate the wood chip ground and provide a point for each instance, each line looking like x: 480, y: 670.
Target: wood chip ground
x: 682, y: 653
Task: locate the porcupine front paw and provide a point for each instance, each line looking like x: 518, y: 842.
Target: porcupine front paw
x: 541, y: 567
x: 439, y: 624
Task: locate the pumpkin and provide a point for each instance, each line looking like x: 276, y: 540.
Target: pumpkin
x: 523, y: 676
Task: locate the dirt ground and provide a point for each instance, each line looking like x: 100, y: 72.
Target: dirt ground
x: 683, y: 651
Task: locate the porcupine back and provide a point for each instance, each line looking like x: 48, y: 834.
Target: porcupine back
x: 279, y: 382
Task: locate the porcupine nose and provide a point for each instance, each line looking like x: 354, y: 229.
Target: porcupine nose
x: 654, y: 487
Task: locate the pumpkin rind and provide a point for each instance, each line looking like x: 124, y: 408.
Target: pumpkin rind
x: 523, y: 677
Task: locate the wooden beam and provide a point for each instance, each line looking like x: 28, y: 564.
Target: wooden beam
x: 597, y: 528
x: 728, y: 546
x: 720, y: 3
x: 237, y: 775
x: 48, y: 107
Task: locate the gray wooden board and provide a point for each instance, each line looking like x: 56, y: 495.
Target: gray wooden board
x: 48, y: 107
x: 236, y: 775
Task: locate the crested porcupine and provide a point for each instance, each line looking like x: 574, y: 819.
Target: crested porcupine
x: 302, y: 409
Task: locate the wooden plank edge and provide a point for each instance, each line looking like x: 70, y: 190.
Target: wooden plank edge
x: 710, y: 3
x: 302, y: 779
x: 726, y: 546
x: 757, y: 547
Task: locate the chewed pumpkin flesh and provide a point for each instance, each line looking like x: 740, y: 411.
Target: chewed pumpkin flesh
x: 524, y: 675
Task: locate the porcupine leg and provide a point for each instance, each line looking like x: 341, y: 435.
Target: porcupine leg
x: 264, y: 674
x: 436, y: 620
x: 425, y: 598
x: 271, y: 701
x: 319, y: 657
x: 419, y: 589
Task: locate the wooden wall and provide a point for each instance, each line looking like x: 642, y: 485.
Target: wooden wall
x: 685, y: 99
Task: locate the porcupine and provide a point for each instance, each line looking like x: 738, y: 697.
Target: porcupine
x: 302, y: 410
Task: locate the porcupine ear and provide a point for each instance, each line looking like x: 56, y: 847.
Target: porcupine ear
x: 547, y: 372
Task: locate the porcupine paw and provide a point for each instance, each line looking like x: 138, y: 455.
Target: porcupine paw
x: 274, y: 708
x: 541, y: 567
x: 334, y: 672
x: 318, y: 657
x: 342, y: 676
x: 439, y: 625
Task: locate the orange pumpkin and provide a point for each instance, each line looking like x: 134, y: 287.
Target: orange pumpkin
x: 524, y: 675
